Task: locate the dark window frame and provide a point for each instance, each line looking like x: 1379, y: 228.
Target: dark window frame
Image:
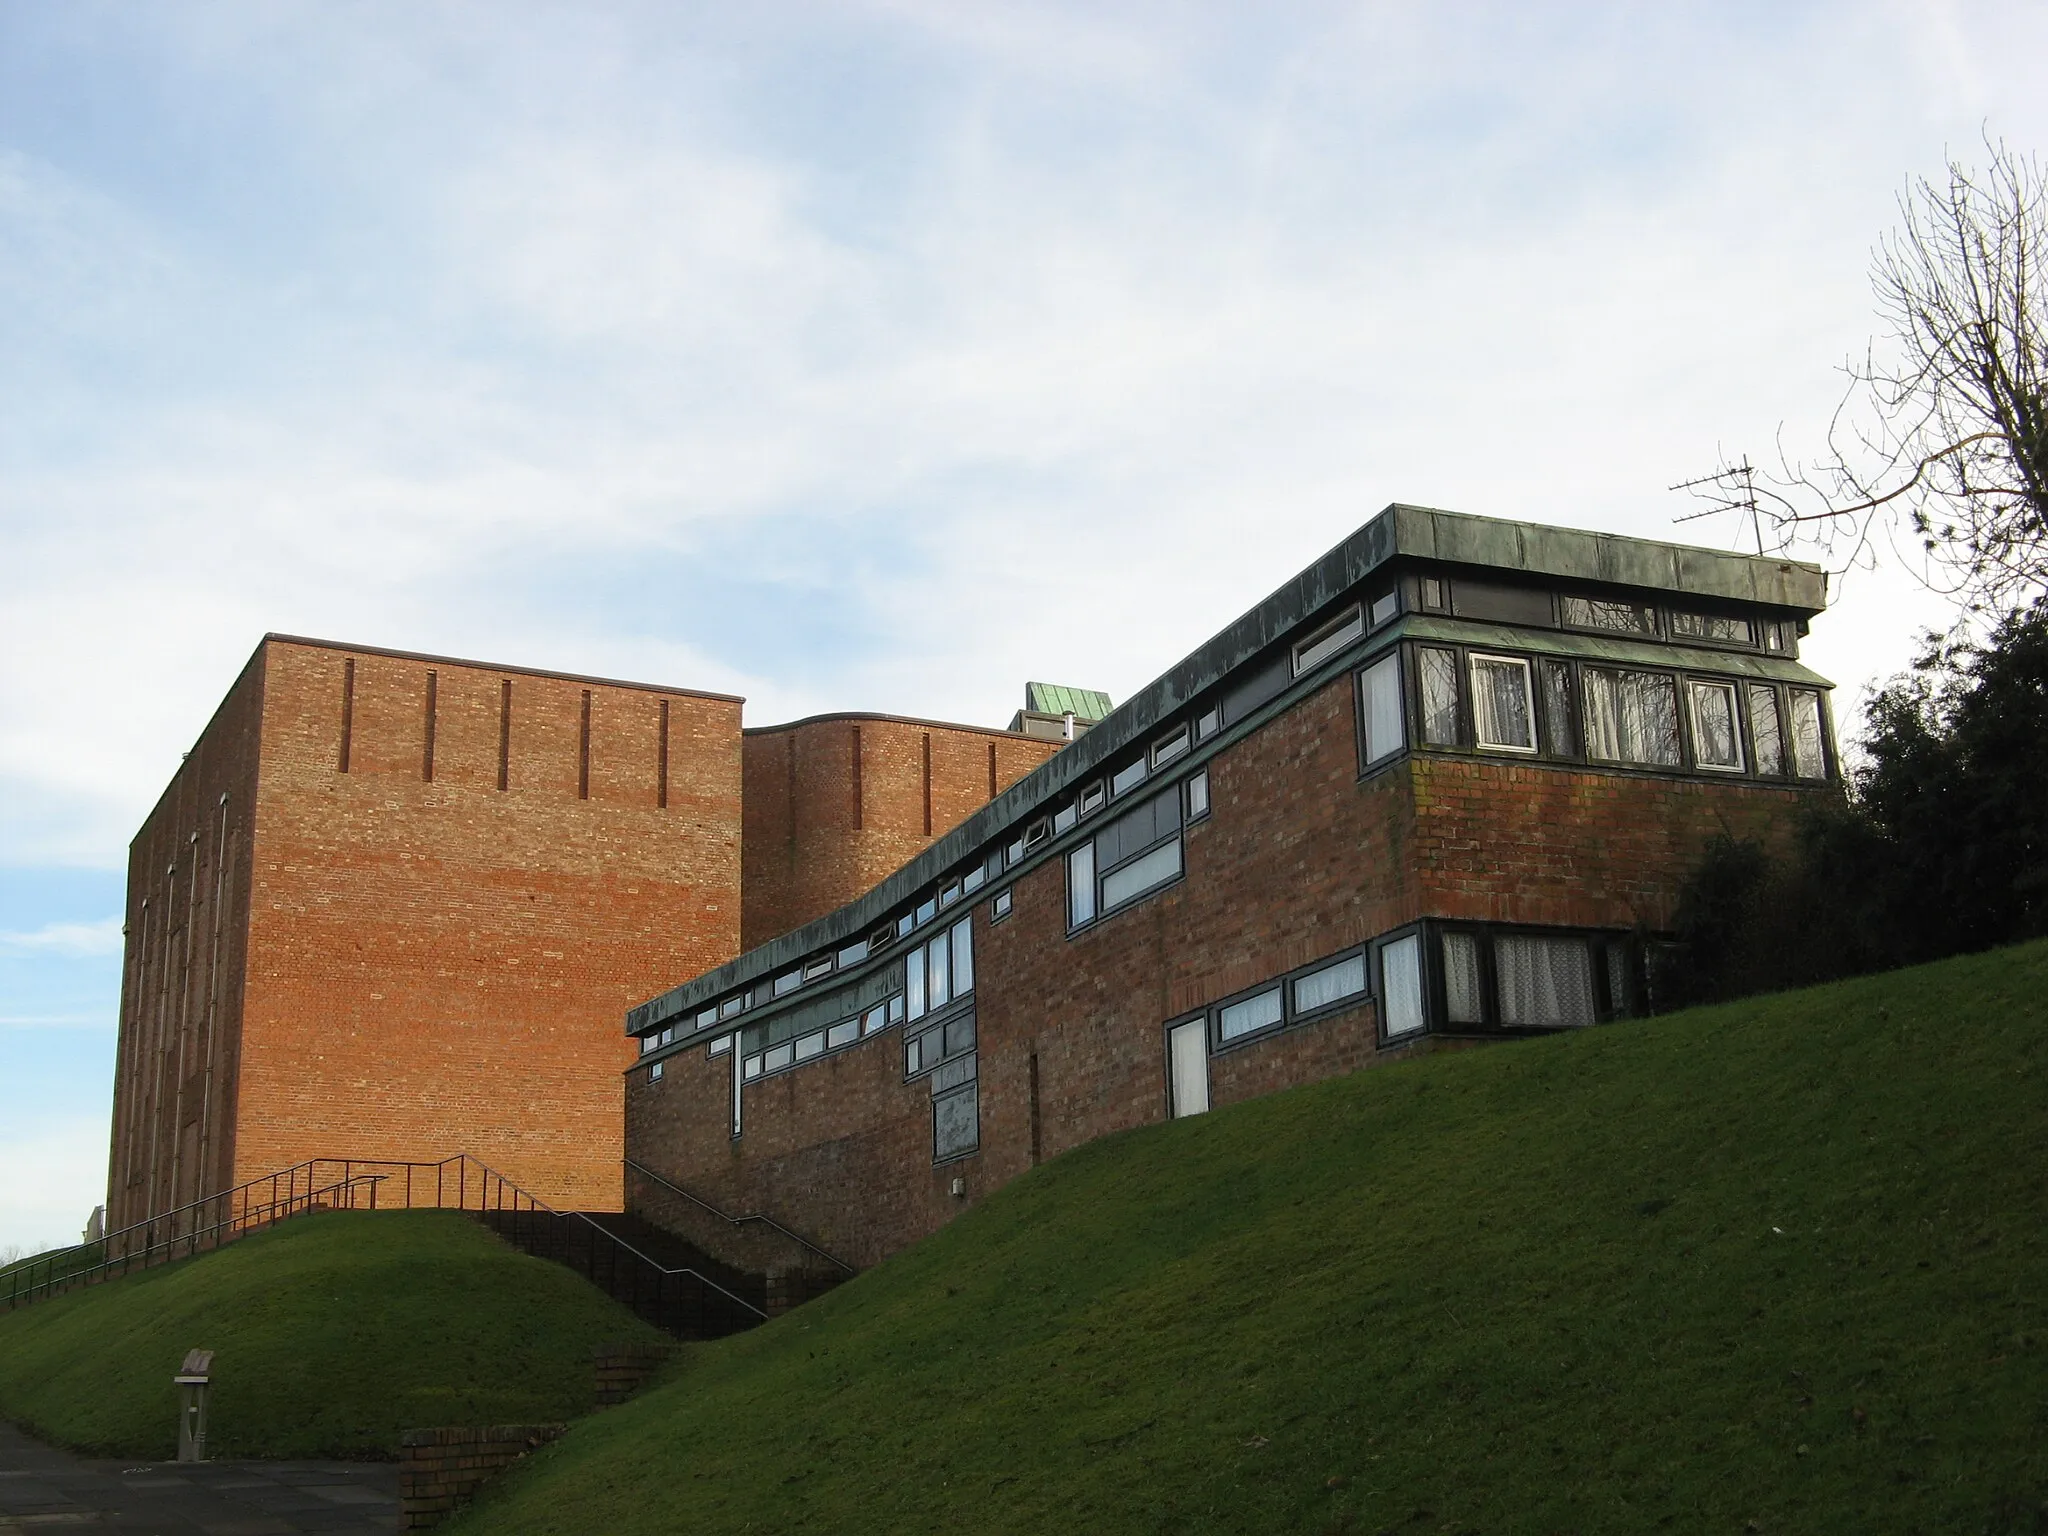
x: 1436, y: 982
x: 1291, y: 1017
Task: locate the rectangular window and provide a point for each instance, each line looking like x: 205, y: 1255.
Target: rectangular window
x: 1439, y: 674
x: 1384, y: 607
x: 1606, y: 614
x: 845, y: 1032
x: 788, y: 981
x: 853, y: 954
x: 753, y: 1068
x: 706, y: 1017
x: 937, y: 993
x: 1091, y: 799
x: 654, y: 1072
x: 974, y: 879
x: 875, y: 1020
x: 1503, y: 714
x: 1128, y: 778
x: 1000, y: 907
x: 1379, y: 696
x: 1208, y: 722
x: 1434, y: 599
x: 1260, y: 1011
x: 1141, y: 875
x: 1764, y: 732
x: 1544, y: 982
x: 1332, y: 984
x: 913, y: 1055
x: 926, y: 911
x: 1618, y: 979
x: 1081, y: 885
x: 1716, y: 736
x: 1560, y: 727
x: 1712, y: 626
x: 818, y: 967
x: 1401, y: 985
x: 720, y: 1046
x: 913, y: 982
x: 1631, y: 717
x: 1187, y: 1057
x: 963, y: 958
x: 1809, y: 750
x: 1198, y: 795
x: 956, y: 1123
x: 1328, y: 641
x: 949, y: 893
x: 731, y: 1006
x: 1064, y: 818
x: 1462, y: 993
x: 778, y: 1058
x: 1170, y: 746
x: 897, y: 1010
x: 960, y: 1034
x: 810, y: 1045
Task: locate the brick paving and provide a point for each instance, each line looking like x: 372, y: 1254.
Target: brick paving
x: 48, y: 1490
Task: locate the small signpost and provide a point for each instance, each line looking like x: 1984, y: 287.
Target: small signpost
x: 194, y: 1379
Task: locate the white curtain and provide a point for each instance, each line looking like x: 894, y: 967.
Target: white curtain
x: 1439, y: 696
x: 1632, y: 717
x: 1544, y: 981
x: 1717, y: 740
x: 1501, y: 712
x: 1461, y: 979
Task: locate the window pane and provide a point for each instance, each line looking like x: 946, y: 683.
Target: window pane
x: 1764, y: 731
x: 1080, y: 885
x: 810, y: 1045
x: 1329, y: 642
x: 1602, y: 613
x: 1198, y: 795
x: 1439, y: 671
x: 843, y: 1033
x: 1712, y: 626
x: 1208, y: 723
x: 913, y: 1056
x: 1461, y: 979
x: 1128, y: 778
x: 778, y: 1058
x: 913, y: 982
x: 1064, y: 818
x: 1716, y: 738
x: 1544, y: 982
x: 788, y: 981
x: 1631, y: 717
x: 1384, y: 607
x: 1168, y: 748
x: 1501, y: 712
x: 753, y: 1066
x: 1252, y: 1014
x: 1380, y: 690
x: 956, y: 1122
x: 960, y: 1035
x: 1319, y: 989
x: 1557, y: 709
x: 853, y: 954
x: 936, y: 969
x: 1141, y: 875
x: 1809, y: 756
x: 1617, y: 978
x: 1401, y: 985
x: 963, y: 958
x: 875, y: 1018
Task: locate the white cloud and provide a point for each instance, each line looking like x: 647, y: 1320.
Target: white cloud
x: 67, y: 939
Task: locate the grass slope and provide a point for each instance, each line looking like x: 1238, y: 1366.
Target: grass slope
x: 1778, y: 1262
x: 332, y: 1333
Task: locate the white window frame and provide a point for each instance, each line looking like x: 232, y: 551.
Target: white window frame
x: 1521, y: 663
x: 1694, y: 687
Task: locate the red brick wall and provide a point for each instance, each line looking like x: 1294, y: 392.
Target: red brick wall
x: 438, y: 965
x: 834, y: 805
x: 1298, y: 859
x: 181, y: 984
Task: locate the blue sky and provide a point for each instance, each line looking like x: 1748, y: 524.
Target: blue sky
x: 858, y: 356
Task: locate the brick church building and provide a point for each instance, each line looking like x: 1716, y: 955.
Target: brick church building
x: 1442, y: 787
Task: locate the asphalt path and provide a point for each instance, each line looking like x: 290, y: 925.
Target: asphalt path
x: 50, y: 1491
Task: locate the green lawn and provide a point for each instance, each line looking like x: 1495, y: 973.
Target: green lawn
x: 1773, y: 1266
x: 331, y: 1334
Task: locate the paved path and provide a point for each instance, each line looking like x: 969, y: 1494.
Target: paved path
x: 50, y: 1491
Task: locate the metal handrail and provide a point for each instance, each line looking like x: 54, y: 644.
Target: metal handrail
x: 534, y: 1202
x: 738, y: 1221
x: 163, y: 1251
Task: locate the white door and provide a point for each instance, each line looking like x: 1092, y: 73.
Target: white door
x: 1187, y: 1058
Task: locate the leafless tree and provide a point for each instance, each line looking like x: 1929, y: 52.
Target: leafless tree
x: 1942, y: 434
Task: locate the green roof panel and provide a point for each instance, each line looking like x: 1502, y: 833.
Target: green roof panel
x: 1058, y: 699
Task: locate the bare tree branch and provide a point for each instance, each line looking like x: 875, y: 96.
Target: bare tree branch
x: 1942, y: 432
